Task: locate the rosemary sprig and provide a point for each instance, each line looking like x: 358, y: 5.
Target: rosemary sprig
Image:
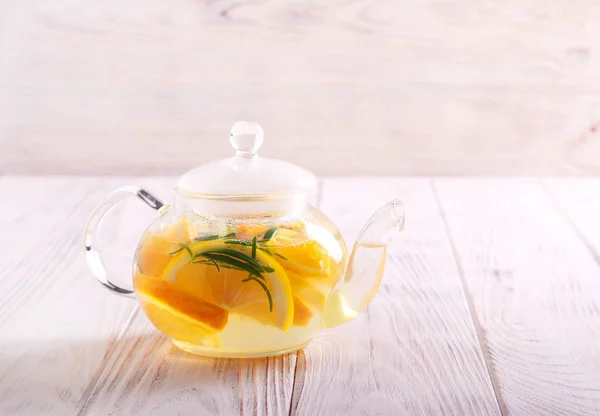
x: 239, y: 242
x: 176, y: 251
x: 222, y: 258
x: 214, y: 237
x: 183, y: 246
x: 239, y: 256
x: 226, y: 258
x: 249, y: 278
x: 237, y: 260
x: 189, y: 250
x: 249, y: 243
x: 266, y: 250
x: 214, y: 263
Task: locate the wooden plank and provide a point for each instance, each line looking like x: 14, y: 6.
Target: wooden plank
x: 536, y: 290
x: 104, y: 87
x: 57, y: 325
x: 415, y: 350
x: 32, y: 207
x: 579, y: 200
x: 149, y: 375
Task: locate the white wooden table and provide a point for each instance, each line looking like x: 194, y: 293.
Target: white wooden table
x: 490, y: 305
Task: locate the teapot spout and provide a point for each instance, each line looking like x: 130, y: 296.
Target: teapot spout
x: 353, y: 293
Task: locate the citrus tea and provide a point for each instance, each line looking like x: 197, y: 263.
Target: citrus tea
x: 252, y: 287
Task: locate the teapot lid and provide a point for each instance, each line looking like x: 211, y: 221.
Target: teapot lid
x: 246, y: 174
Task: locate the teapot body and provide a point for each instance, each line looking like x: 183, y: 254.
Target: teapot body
x: 238, y: 286
x: 241, y: 265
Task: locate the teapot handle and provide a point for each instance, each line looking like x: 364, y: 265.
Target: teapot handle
x: 93, y: 258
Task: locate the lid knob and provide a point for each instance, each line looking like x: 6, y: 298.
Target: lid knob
x: 246, y: 137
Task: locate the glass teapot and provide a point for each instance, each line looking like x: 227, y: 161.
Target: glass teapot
x: 241, y: 265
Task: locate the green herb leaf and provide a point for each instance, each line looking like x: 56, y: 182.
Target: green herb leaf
x: 239, y: 242
x: 216, y: 265
x: 238, y: 255
x: 266, y: 289
x: 223, y: 258
x: 207, y: 237
x: 279, y: 255
x: 272, y: 254
x: 189, y: 250
x: 214, y: 237
x: 269, y: 234
x: 176, y: 251
x: 183, y: 246
x: 232, y: 259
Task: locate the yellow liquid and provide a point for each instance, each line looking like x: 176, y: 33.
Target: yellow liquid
x: 214, y: 309
x: 358, y: 288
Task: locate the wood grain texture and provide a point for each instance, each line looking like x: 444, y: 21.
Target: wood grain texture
x: 150, y: 376
x: 414, y: 351
x: 525, y: 251
x: 348, y: 87
x: 56, y: 328
x: 579, y: 201
x: 536, y: 292
x: 31, y: 208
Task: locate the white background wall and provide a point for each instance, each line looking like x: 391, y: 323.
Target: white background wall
x: 340, y: 87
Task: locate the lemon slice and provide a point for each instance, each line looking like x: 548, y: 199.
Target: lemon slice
x: 302, y: 257
x: 229, y: 288
x: 312, y: 291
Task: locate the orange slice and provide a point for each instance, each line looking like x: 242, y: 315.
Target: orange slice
x: 227, y: 288
x: 179, y: 315
x: 153, y: 253
x: 247, y: 231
